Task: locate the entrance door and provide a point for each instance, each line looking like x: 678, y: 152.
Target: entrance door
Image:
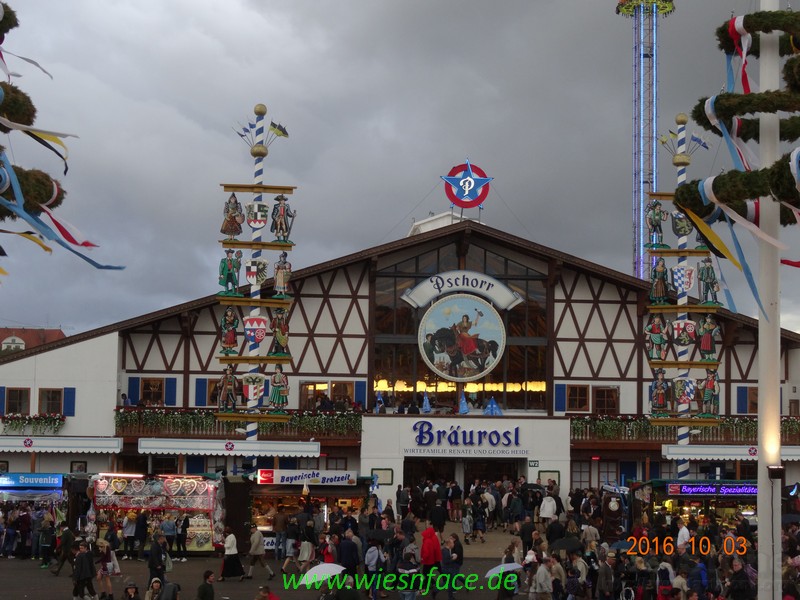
x: 434, y: 469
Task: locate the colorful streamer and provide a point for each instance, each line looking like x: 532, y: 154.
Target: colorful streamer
x: 713, y: 241
x: 31, y: 236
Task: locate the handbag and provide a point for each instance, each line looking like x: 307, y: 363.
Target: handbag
x: 167, y: 563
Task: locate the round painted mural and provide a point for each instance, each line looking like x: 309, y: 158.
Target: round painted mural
x: 461, y: 337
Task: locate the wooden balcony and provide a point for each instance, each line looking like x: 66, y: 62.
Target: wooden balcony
x: 338, y: 429
x: 586, y: 431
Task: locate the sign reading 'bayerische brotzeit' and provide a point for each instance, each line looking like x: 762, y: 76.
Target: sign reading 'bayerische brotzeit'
x: 458, y: 440
x: 305, y: 476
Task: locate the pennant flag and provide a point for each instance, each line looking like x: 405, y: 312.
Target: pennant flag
x: 3, y: 271
x: 711, y: 239
x: 463, y: 407
x: 663, y: 139
x: 492, y: 409
x: 2, y: 252
x: 45, y: 140
x: 31, y: 236
x: 426, y: 404
x: 673, y: 135
x: 283, y: 131
x: 699, y: 141
x: 27, y: 60
x: 273, y: 127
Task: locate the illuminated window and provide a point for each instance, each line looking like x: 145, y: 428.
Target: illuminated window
x: 752, y: 400
x: 607, y: 472
x: 51, y: 401
x: 152, y: 392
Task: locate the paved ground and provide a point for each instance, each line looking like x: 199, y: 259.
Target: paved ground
x: 23, y: 579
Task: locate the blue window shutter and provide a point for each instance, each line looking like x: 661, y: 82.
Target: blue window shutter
x: 133, y: 390
x: 2, y: 400
x: 170, y: 391
x: 560, y: 398
x: 360, y: 393
x: 200, y: 395
x: 195, y: 465
x: 69, y: 402
x: 741, y: 400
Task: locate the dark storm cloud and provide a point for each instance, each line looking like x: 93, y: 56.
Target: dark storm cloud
x: 379, y: 98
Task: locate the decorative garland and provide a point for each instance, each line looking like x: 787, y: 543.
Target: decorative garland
x: 735, y: 188
x: 33, y: 424
x: 628, y: 8
x: 37, y: 186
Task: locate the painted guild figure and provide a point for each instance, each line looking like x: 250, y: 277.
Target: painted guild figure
x: 278, y: 388
x: 467, y: 342
x: 656, y: 334
x: 283, y: 272
x: 228, y: 334
x: 655, y: 216
x: 229, y: 273
x: 280, y: 333
x: 707, y: 331
x: 233, y: 218
x: 708, y: 396
x: 659, y: 391
x: 282, y: 219
x: 226, y: 388
x: 659, y: 283
x: 708, y: 278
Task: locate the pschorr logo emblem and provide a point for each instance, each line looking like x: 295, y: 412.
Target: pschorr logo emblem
x: 229, y: 446
x: 28, y: 443
x: 752, y: 450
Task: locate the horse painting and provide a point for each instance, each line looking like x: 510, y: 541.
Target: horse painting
x: 446, y: 340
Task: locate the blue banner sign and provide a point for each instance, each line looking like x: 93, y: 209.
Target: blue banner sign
x: 31, y: 480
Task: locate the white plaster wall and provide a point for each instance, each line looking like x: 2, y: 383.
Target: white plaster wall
x: 386, y: 440
x: 90, y: 367
x: 60, y: 463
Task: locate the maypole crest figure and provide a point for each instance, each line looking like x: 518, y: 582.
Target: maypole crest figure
x: 256, y: 271
x: 257, y: 214
x: 229, y: 273
x: 659, y: 283
x: 253, y: 386
x: 283, y: 272
x: 233, y: 218
x: 282, y: 219
x: 707, y: 276
x: 681, y: 224
x: 228, y: 334
x: 684, y: 332
x: 654, y: 217
x: 226, y: 388
x: 708, y: 330
x: 278, y: 389
x: 659, y: 391
x: 656, y: 335
x: 683, y: 392
x: 683, y: 279
x: 708, y: 399
x: 280, y: 333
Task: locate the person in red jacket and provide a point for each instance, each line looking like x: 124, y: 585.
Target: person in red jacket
x: 430, y: 554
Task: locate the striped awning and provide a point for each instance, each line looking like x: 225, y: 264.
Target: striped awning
x: 59, y: 443
x: 228, y: 447
x: 722, y: 452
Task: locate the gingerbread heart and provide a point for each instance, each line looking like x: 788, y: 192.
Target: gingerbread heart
x: 100, y: 486
x: 119, y: 485
x: 137, y: 485
x: 202, y: 539
x: 202, y: 488
x: 173, y: 486
x: 189, y: 486
x: 190, y: 535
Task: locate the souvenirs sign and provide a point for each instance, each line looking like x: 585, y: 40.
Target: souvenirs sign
x: 461, y: 337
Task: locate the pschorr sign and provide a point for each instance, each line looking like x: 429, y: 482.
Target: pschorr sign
x: 472, y: 282
x: 303, y: 476
x: 464, y: 441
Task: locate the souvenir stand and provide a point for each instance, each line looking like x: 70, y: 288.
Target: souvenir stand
x: 115, y: 496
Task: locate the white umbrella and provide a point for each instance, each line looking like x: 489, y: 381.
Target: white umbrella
x: 320, y: 573
x: 503, y: 568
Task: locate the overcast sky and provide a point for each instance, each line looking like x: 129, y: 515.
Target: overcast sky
x: 379, y: 98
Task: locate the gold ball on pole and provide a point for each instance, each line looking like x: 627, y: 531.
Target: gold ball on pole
x: 681, y: 119
x: 258, y: 150
x: 260, y: 110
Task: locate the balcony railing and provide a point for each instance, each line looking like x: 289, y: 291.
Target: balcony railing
x: 725, y: 430
x: 200, y: 423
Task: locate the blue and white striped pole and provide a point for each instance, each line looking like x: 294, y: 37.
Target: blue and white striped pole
x: 258, y: 151
x: 681, y: 161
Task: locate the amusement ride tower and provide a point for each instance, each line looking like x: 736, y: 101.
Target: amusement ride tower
x: 645, y: 15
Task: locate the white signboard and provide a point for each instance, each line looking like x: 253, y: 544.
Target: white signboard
x: 305, y: 476
x: 471, y: 282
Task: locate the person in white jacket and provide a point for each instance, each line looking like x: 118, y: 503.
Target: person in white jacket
x: 548, y: 509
